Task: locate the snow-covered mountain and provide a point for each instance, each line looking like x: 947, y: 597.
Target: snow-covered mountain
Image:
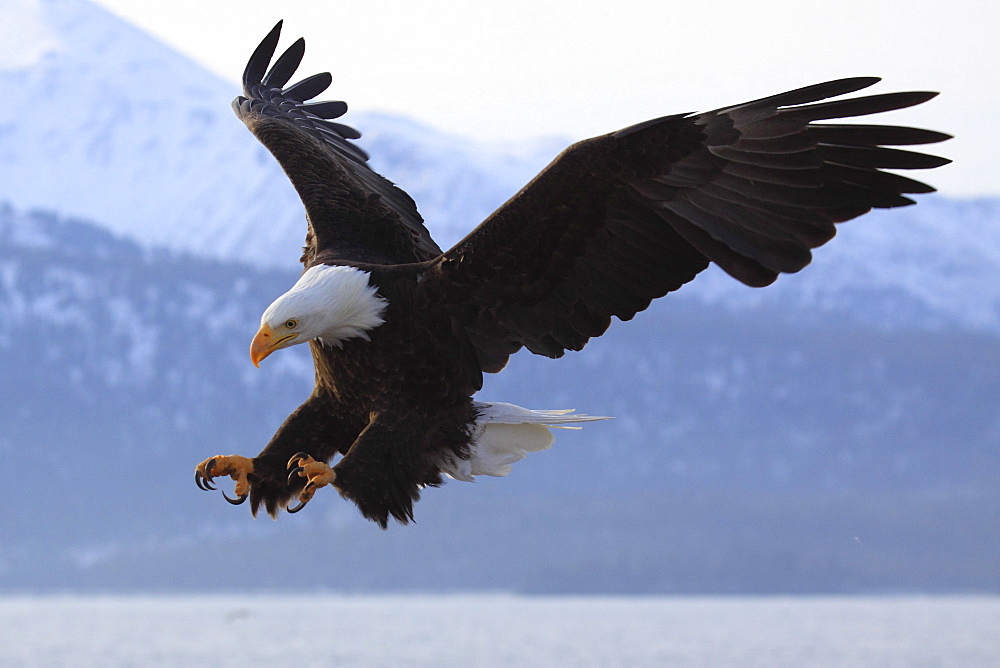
x: 936, y: 264
x: 116, y: 128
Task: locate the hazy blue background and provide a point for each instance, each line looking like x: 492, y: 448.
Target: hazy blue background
x: 837, y: 432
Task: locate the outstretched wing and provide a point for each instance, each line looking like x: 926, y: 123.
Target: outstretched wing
x: 619, y: 220
x: 354, y: 214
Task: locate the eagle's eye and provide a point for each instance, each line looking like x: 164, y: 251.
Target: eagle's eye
x: 291, y: 324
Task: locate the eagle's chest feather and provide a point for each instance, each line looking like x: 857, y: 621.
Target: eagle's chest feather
x: 414, y: 358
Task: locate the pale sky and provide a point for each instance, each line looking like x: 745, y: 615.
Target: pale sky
x: 526, y: 68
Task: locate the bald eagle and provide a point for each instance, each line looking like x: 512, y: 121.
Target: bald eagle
x: 401, y: 332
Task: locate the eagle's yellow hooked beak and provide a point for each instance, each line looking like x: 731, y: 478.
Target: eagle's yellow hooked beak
x: 265, y: 342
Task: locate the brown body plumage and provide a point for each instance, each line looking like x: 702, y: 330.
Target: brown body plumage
x: 391, y: 404
x: 613, y: 223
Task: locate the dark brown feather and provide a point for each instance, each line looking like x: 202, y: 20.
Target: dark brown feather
x: 752, y: 187
x: 354, y: 214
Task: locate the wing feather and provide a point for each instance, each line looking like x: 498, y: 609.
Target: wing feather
x: 622, y: 219
x: 284, y: 67
x: 353, y: 213
x: 309, y: 87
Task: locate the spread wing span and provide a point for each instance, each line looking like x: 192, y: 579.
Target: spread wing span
x: 353, y: 212
x: 619, y: 220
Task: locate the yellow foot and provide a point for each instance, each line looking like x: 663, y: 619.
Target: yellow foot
x: 317, y: 474
x: 234, y: 466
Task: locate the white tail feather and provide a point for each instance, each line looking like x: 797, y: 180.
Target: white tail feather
x: 505, y: 433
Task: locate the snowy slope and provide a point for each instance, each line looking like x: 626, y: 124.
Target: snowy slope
x: 118, y: 128
x: 936, y: 264
x: 110, y: 127
x: 25, y: 37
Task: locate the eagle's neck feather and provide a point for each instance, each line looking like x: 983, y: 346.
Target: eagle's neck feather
x: 335, y: 303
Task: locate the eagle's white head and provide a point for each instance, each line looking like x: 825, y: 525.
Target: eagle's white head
x: 330, y: 303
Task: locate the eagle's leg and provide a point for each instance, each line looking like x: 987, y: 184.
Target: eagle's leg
x: 236, y: 467
x: 317, y: 474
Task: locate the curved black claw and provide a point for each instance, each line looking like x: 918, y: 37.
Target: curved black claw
x: 204, y: 482
x: 296, y: 470
x: 294, y: 461
x: 237, y: 501
x: 198, y: 481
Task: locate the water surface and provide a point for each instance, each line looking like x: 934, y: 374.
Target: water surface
x: 498, y: 630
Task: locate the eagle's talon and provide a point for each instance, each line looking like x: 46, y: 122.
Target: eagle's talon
x: 203, y: 476
x: 235, y: 466
x: 237, y: 501
x: 317, y: 474
x: 297, y: 458
x: 203, y: 482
